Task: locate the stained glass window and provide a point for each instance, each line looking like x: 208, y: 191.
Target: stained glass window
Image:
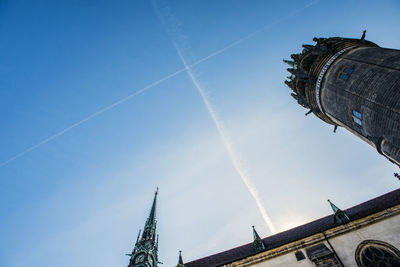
x: 377, y: 254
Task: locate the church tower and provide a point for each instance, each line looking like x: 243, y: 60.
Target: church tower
x: 144, y: 253
x: 354, y: 84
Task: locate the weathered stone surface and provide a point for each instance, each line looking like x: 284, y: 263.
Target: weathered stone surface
x: 354, y: 84
x: 373, y: 90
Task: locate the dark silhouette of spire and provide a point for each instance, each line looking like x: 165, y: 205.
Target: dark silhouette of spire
x: 180, y: 261
x: 258, y: 244
x: 363, y: 35
x: 341, y: 216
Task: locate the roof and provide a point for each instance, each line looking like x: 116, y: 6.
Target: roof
x: 362, y: 210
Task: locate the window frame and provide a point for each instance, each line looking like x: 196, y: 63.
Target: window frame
x: 357, y: 114
x: 299, y: 255
x: 358, y: 254
x: 357, y: 117
x: 345, y: 73
x: 357, y: 121
x: 348, y: 70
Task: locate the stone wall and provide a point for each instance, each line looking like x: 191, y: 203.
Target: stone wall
x: 383, y: 226
x: 372, y: 89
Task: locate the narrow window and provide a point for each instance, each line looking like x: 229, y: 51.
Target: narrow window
x: 357, y: 117
x: 348, y: 70
x: 345, y: 74
x: 299, y: 255
x: 357, y: 114
x: 357, y: 120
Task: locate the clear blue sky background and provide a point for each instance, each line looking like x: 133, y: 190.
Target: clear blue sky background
x: 80, y: 199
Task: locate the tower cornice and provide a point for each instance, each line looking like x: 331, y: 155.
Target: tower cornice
x: 308, y: 67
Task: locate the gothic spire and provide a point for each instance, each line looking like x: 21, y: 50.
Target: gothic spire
x: 334, y: 207
x: 151, y: 223
x: 258, y: 244
x: 145, y: 251
x: 341, y: 216
x: 180, y: 261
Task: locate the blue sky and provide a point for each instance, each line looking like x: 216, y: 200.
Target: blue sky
x: 80, y: 198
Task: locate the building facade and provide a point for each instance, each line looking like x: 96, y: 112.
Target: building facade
x: 145, y: 251
x: 365, y: 235
x: 354, y: 84
x: 348, y: 83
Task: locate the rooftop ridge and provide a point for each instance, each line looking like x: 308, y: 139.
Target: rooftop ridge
x: 358, y: 211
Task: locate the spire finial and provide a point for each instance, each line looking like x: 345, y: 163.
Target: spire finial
x: 138, y: 236
x: 340, y: 215
x: 333, y: 206
x: 151, y: 221
x: 363, y: 35
x: 258, y: 244
x: 180, y: 260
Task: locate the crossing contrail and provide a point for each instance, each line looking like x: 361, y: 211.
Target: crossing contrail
x: 175, y: 34
x: 123, y: 100
x: 91, y: 116
x: 229, y: 147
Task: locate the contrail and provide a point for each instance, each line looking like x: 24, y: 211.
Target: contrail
x: 218, y: 124
x: 212, y: 55
x: 97, y: 113
x: 228, y: 146
x: 250, y: 35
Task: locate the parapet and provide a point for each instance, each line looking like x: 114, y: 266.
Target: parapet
x: 307, y: 69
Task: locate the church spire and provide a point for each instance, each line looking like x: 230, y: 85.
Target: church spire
x: 149, y: 230
x: 341, y: 216
x: 334, y: 207
x: 180, y: 260
x: 144, y: 254
x: 258, y: 244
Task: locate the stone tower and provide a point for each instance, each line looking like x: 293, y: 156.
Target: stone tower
x: 354, y: 84
x: 144, y: 253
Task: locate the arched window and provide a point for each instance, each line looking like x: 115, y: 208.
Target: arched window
x: 373, y: 253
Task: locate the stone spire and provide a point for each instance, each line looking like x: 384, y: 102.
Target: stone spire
x: 334, y: 207
x: 180, y: 261
x: 341, y: 216
x: 149, y: 231
x: 145, y: 252
x: 258, y: 244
